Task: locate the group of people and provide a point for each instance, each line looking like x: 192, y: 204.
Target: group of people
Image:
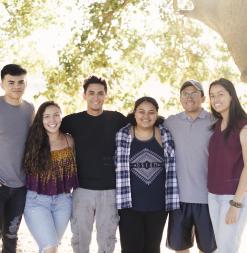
x: 132, y: 172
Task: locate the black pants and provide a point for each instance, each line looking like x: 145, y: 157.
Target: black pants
x: 12, y: 203
x: 141, y: 232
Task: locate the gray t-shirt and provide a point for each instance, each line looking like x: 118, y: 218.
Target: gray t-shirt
x: 191, y: 139
x: 14, y: 125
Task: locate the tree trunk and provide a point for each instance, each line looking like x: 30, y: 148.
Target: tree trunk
x: 229, y: 19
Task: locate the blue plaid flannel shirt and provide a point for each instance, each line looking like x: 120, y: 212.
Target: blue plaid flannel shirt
x: 123, y: 190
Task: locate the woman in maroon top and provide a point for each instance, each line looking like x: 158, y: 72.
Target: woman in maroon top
x: 51, y: 174
x: 227, y: 167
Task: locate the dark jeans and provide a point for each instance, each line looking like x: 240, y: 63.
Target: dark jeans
x: 141, y: 232
x: 12, y: 203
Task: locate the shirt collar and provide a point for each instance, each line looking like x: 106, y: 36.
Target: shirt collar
x: 202, y: 115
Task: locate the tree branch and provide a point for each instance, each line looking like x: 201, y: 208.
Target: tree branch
x: 108, y: 17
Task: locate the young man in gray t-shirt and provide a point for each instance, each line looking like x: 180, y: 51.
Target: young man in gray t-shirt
x: 191, y: 131
x: 15, y: 119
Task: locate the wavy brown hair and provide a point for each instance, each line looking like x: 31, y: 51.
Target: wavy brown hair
x: 37, y: 156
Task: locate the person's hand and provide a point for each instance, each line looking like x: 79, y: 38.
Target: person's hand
x: 232, y: 215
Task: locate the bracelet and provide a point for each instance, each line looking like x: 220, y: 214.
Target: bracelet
x: 235, y: 204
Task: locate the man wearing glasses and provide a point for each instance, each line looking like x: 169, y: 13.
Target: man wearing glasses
x: 191, y: 132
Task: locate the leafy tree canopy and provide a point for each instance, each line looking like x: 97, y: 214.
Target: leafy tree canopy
x: 127, y: 42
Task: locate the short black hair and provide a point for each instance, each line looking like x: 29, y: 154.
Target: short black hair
x: 146, y: 99
x: 94, y: 79
x: 131, y: 116
x: 13, y: 70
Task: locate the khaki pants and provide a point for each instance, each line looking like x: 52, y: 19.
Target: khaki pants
x: 90, y: 205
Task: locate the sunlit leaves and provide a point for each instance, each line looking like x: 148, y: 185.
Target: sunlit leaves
x: 127, y: 42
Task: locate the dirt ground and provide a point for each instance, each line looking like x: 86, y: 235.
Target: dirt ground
x: 27, y: 244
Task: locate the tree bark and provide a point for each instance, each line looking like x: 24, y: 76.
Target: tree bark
x: 229, y: 19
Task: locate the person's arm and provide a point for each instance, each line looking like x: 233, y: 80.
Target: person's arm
x: 122, y: 174
x: 65, y: 125
x: 122, y: 120
x: 70, y: 140
x: 233, y: 212
x: 172, y: 191
x: 166, y: 125
x: 33, y: 114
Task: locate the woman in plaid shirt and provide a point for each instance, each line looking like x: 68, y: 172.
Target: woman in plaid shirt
x: 146, y: 181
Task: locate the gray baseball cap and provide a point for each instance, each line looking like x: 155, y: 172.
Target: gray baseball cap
x: 194, y: 83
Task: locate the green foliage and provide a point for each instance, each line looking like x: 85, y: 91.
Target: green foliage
x: 127, y: 42
x: 19, y: 20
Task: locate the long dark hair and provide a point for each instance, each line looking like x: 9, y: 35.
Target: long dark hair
x: 37, y: 156
x: 236, y: 111
x: 131, y: 116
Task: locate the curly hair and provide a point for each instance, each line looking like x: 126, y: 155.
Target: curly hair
x: 37, y: 155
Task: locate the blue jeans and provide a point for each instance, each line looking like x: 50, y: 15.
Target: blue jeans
x: 47, y: 217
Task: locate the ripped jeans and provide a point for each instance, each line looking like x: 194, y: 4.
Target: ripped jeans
x: 47, y: 217
x: 12, y: 203
x: 90, y: 206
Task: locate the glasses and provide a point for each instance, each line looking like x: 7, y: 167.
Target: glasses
x: 187, y: 95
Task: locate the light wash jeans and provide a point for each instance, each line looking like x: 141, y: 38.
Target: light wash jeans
x: 90, y: 205
x: 47, y: 217
x: 228, y: 236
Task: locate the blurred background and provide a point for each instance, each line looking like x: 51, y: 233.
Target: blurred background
x: 141, y: 47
